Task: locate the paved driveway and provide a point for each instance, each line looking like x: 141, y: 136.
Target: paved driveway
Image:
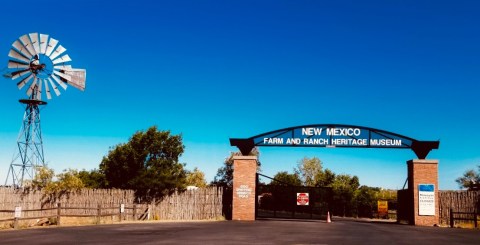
x: 232, y: 232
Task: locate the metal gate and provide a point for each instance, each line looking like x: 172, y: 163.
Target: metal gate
x: 281, y: 200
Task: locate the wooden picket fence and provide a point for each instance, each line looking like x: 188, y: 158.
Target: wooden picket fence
x: 200, y: 204
x: 462, y: 202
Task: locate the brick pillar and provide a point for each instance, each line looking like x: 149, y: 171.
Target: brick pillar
x: 425, y: 173
x: 244, y: 180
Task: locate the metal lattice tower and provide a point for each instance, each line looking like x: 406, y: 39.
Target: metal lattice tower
x: 30, y: 145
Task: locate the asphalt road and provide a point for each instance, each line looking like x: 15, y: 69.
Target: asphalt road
x: 232, y: 232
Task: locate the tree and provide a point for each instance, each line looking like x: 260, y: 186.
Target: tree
x: 365, y: 199
x: 325, y: 178
x: 196, y: 178
x: 224, y: 175
x: 43, y: 177
x: 308, y: 169
x: 147, y: 163
x: 93, y: 179
x: 284, y: 178
x: 344, y: 188
x: 470, y: 179
x: 66, y: 181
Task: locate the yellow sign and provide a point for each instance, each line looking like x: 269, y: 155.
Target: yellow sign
x: 382, y: 208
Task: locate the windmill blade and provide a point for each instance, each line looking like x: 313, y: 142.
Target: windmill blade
x: 58, y: 51
x: 62, y: 59
x: 32, y: 87
x: 19, y: 73
x: 62, y: 67
x: 27, y: 44
x: 24, y: 81
x: 51, y: 46
x: 47, y: 89
x: 59, y: 82
x: 78, y: 78
x: 19, y: 46
x: 55, y: 89
x: 17, y: 65
x: 16, y: 55
x: 35, y: 42
x: 39, y: 90
x: 43, y: 43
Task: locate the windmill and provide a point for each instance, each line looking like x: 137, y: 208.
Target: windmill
x: 38, y: 63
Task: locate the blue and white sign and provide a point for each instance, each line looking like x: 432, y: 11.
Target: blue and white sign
x: 426, y: 199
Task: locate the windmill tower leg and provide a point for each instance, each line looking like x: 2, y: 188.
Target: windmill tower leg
x: 30, y: 146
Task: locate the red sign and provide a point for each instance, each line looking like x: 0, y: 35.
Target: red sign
x: 302, y: 199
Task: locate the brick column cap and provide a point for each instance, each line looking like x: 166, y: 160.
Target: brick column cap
x: 423, y: 161
x: 244, y: 157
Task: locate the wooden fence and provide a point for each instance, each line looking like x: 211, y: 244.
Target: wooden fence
x: 200, y: 204
x: 458, y: 201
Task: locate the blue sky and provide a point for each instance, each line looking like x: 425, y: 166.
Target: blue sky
x: 212, y: 70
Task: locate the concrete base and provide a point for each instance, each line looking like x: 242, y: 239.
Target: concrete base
x: 244, y: 181
x: 422, y: 172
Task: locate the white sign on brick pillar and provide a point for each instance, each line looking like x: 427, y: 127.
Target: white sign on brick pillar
x: 426, y: 199
x: 243, y: 191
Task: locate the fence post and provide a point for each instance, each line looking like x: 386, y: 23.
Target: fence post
x: 451, y: 218
x: 58, y: 213
x: 15, y: 223
x: 120, y: 213
x: 475, y: 218
x: 134, y: 212
x: 17, y: 216
x: 99, y: 212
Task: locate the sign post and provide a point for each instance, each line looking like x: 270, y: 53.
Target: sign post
x: 18, y: 215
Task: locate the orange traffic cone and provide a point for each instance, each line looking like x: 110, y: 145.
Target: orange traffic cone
x: 328, y: 218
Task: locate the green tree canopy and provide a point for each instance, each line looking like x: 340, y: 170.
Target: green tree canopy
x: 224, y: 175
x: 43, y: 178
x: 93, y: 179
x: 325, y: 178
x: 286, y: 179
x: 196, y: 178
x: 148, y: 163
x: 66, y: 181
x: 365, y: 199
x: 344, y: 187
x: 470, y: 179
x: 309, y: 169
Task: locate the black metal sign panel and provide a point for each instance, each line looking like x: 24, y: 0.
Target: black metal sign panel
x: 335, y: 135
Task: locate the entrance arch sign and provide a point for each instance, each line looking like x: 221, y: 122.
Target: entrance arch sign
x: 335, y: 135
